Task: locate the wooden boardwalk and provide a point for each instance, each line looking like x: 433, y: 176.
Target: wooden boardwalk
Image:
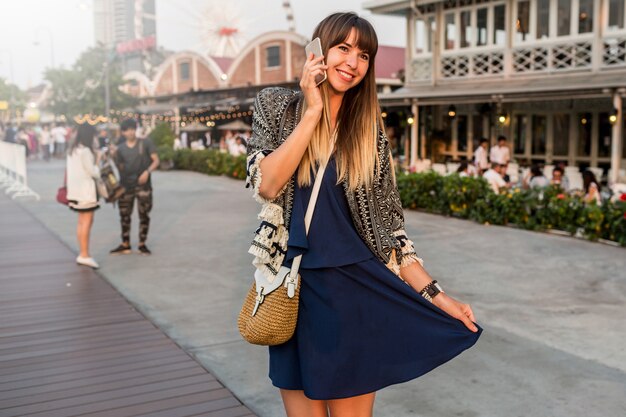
x: 70, y: 345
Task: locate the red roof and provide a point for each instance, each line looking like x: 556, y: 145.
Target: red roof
x: 389, y: 60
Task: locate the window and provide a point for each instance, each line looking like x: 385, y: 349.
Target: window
x: 585, y: 16
x: 523, y: 21
x: 273, y: 56
x: 605, y: 134
x: 564, y: 17
x: 499, y: 32
x: 543, y: 19
x: 560, y: 134
x: 461, y: 133
x: 584, y: 134
x: 616, y: 14
x: 519, y: 139
x: 477, y: 129
x: 450, y: 31
x: 466, y: 29
x: 424, y: 30
x: 184, y: 71
x: 539, y: 135
x: 481, y: 27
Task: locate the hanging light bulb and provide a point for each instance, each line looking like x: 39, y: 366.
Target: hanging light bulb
x: 613, y: 115
x: 452, y: 111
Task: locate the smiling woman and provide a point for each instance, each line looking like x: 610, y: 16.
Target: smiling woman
x: 360, y: 326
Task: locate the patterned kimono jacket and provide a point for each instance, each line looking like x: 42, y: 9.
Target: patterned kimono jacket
x: 376, y: 211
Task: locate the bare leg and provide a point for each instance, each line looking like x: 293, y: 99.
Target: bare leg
x: 359, y: 406
x: 298, y: 405
x: 85, y: 220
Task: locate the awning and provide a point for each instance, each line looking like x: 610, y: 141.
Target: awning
x: 540, y: 87
x: 195, y: 127
x: 236, y: 125
x: 155, y: 108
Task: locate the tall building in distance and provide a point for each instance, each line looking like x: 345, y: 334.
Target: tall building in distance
x: 128, y: 27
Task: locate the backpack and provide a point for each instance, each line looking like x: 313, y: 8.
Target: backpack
x: 108, y: 185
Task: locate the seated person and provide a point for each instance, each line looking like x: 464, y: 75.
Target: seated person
x: 536, y: 179
x: 494, y: 177
x: 558, y: 178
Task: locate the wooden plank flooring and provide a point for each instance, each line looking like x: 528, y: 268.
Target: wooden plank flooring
x: 70, y: 345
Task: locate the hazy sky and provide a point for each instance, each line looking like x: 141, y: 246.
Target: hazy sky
x: 70, y: 25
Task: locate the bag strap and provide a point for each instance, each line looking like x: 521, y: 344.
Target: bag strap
x: 309, y: 214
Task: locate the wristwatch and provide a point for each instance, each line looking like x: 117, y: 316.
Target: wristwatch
x: 431, y: 290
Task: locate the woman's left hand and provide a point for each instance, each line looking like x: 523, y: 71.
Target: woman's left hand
x: 456, y: 309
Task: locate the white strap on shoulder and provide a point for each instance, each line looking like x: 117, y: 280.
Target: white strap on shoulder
x: 309, y: 213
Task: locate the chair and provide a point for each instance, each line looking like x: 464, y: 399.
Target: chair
x: 598, y: 172
x: 621, y: 175
x: 575, y: 181
x: 439, y: 169
x: 451, y: 167
x: 512, y: 171
x: 547, y: 171
x: 525, y: 172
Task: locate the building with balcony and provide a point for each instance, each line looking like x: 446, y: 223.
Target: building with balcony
x: 550, y: 75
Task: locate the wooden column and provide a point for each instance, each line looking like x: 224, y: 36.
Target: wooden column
x: 414, y: 132
x: 616, y: 140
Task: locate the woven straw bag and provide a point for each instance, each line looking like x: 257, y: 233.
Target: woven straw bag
x: 270, y: 311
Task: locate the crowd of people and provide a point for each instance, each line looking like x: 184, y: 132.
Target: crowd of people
x: 41, y: 141
x: 492, y: 164
x: 231, y: 142
x: 88, y: 148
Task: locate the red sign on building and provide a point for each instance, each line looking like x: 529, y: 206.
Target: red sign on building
x: 134, y: 45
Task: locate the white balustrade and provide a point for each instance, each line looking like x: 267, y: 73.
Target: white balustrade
x: 13, y: 174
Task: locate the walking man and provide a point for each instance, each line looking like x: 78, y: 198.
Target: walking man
x: 136, y: 158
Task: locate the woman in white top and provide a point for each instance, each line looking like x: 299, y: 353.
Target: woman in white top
x: 82, y: 170
x: 592, y: 188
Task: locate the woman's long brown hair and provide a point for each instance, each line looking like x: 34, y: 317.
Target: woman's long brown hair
x: 358, y: 120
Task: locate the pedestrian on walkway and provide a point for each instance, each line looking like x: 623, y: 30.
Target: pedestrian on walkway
x: 82, y: 170
x: 360, y: 326
x: 136, y: 158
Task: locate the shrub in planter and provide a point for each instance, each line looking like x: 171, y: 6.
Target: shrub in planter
x: 460, y: 194
x: 166, y: 156
x: 422, y: 191
x: 217, y: 162
x: 236, y: 167
x: 162, y: 135
x: 615, y: 220
x: 590, y: 221
x: 182, y: 158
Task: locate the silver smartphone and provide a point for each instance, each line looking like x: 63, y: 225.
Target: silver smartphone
x: 315, y: 48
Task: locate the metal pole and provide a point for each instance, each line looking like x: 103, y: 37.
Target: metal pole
x: 107, y: 93
x: 12, y: 86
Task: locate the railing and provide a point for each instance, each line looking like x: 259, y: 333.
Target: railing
x: 421, y: 69
x: 553, y: 56
x: 13, y: 171
x: 542, y: 57
x: 614, y: 51
x: 472, y: 64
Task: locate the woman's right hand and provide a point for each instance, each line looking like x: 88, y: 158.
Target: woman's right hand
x: 313, y: 67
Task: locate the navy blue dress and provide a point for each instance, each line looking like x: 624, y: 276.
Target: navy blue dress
x: 360, y: 327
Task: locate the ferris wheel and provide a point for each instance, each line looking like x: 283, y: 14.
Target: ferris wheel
x: 221, y: 27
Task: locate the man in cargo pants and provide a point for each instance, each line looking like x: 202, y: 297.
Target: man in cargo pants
x: 136, y: 159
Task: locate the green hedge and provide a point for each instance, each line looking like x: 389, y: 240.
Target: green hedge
x: 462, y: 197
x: 547, y: 209
x: 207, y: 161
